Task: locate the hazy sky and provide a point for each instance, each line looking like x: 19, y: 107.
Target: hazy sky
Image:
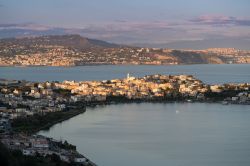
x: 132, y: 21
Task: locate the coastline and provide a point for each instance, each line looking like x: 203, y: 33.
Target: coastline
x: 129, y: 64
x: 106, y: 122
x: 60, y: 120
x: 67, y: 115
x: 34, y: 133
x: 104, y: 103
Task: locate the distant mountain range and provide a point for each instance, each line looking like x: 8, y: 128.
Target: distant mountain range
x: 239, y: 43
x: 28, y: 30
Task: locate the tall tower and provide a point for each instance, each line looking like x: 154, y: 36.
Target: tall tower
x: 128, y: 76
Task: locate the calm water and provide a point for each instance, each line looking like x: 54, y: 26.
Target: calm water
x: 153, y: 134
x: 207, y: 73
x: 175, y: 134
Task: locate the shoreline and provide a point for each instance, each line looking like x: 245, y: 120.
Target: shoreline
x: 129, y: 64
x: 37, y: 106
x: 47, y: 127
x: 35, y: 133
x: 94, y: 105
x: 109, y: 103
x: 67, y: 115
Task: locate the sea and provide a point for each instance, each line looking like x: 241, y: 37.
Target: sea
x: 207, y: 73
x: 146, y: 134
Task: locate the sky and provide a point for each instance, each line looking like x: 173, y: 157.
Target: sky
x: 130, y: 21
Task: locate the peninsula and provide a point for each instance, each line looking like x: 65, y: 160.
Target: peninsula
x: 24, y: 98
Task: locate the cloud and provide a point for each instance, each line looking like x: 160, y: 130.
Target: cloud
x: 221, y: 20
x: 129, y: 32
x: 121, y: 21
x: 122, y: 25
x: 7, y: 25
x: 25, y: 26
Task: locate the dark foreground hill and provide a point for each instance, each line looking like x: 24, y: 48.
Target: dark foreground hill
x: 16, y: 158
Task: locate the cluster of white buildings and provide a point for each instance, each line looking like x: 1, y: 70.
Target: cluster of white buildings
x: 148, y: 87
x: 26, y: 98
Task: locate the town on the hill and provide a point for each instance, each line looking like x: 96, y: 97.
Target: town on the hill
x: 74, y: 50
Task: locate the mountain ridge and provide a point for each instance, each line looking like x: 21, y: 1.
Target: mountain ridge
x: 70, y: 40
x: 75, y: 50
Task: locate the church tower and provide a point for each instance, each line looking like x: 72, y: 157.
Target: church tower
x: 128, y: 76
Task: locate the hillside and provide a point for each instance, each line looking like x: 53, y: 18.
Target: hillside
x: 73, y: 50
x: 74, y: 41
